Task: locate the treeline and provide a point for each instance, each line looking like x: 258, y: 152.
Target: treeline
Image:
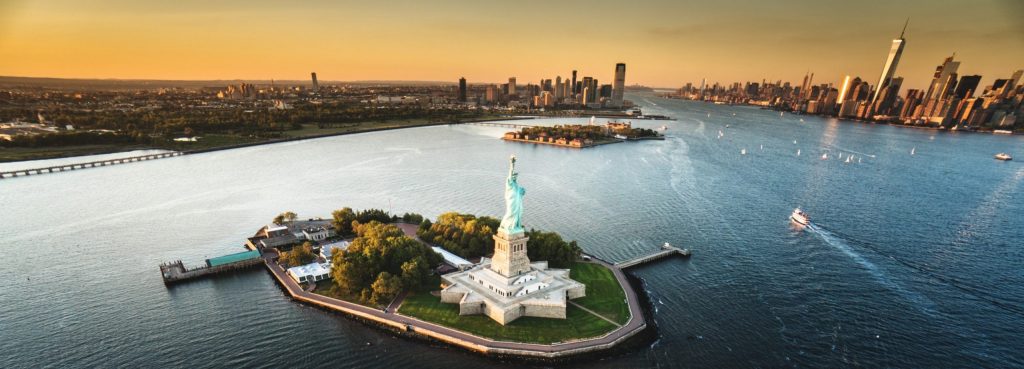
x: 76, y: 138
x: 463, y: 234
x: 171, y: 120
x: 470, y: 236
x: 381, y: 262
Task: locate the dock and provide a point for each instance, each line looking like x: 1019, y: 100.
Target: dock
x: 666, y: 251
x: 176, y: 271
x: 91, y: 164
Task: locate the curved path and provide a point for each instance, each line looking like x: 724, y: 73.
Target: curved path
x: 466, y: 340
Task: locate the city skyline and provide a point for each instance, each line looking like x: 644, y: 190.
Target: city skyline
x: 666, y: 44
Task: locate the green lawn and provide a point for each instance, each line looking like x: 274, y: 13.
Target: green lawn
x: 604, y: 295
x: 578, y: 323
x: 35, y: 153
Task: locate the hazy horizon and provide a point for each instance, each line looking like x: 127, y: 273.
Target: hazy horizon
x: 664, y: 44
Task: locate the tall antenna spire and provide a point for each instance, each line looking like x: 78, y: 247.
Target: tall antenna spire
x: 904, y: 28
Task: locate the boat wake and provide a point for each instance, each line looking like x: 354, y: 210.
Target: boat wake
x: 926, y: 305
x: 840, y: 240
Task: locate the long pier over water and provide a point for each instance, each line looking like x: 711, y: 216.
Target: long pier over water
x: 91, y: 164
x: 666, y: 251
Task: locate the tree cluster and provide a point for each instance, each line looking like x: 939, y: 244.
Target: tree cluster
x: 346, y: 219
x: 463, y: 234
x: 381, y: 261
x: 299, y: 255
x: 551, y: 247
x: 285, y: 217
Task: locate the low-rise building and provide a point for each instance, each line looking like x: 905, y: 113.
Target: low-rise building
x: 311, y: 272
x: 327, y: 251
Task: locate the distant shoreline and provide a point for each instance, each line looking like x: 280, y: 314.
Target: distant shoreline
x: 114, y: 150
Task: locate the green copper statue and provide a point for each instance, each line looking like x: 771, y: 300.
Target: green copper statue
x: 511, y: 222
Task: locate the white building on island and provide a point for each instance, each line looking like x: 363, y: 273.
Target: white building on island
x: 509, y: 286
x: 312, y: 272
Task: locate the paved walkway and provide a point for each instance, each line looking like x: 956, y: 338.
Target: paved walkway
x: 635, y: 324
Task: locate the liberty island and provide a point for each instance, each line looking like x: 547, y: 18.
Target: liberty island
x: 503, y: 305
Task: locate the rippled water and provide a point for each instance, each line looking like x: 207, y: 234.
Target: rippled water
x: 912, y: 261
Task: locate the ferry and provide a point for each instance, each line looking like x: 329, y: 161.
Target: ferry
x: 1003, y: 156
x: 800, y: 217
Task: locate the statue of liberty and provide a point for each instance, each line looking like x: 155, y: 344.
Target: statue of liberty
x: 511, y: 222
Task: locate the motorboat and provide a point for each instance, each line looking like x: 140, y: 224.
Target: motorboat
x: 800, y: 217
x: 1003, y: 156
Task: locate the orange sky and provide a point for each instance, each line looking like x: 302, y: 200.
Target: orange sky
x: 664, y: 43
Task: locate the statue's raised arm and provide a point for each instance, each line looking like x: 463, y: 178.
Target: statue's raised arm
x: 511, y: 223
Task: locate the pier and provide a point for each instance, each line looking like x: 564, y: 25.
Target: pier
x: 666, y: 251
x: 176, y: 271
x: 501, y: 124
x: 91, y: 164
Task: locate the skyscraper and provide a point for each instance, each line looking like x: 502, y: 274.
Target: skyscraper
x: 573, y: 89
x: 462, y: 89
x: 967, y: 86
x: 512, y: 85
x: 620, y: 84
x: 943, y: 80
x: 889, y: 69
x: 842, y: 90
x: 316, y: 85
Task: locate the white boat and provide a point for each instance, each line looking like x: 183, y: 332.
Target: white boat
x: 847, y: 159
x: 762, y: 147
x: 1003, y: 156
x: 824, y: 156
x: 1003, y: 132
x: 743, y: 152
x: 913, y: 150
x: 664, y: 128
x: 800, y: 217
x: 797, y: 152
x: 621, y: 137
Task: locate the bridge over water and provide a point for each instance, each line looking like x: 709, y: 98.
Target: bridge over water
x: 91, y: 164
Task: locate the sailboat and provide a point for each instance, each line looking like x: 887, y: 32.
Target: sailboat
x: 847, y: 159
x: 913, y: 150
x: 762, y: 147
x: 824, y: 156
x: 797, y: 152
x: 743, y: 152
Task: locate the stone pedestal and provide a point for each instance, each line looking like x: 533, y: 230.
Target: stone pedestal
x: 510, y: 254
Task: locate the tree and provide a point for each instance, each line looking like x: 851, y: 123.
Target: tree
x: 415, y: 273
x: 285, y: 217
x: 380, y: 248
x: 343, y: 220
x: 550, y: 246
x: 385, y: 288
x: 299, y: 255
